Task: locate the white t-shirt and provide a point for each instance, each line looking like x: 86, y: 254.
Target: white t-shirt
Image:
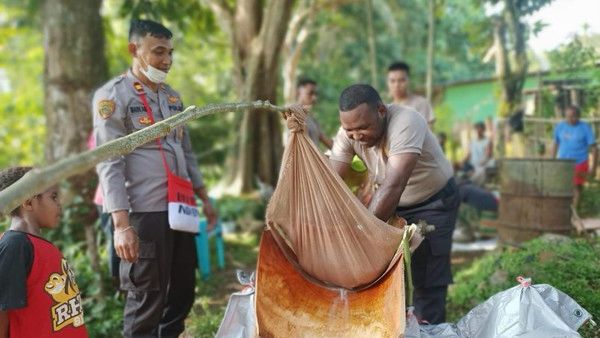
x: 478, y: 152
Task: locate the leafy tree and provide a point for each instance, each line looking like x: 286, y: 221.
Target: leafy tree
x: 336, y: 52
x: 577, y: 59
x: 256, y: 30
x: 510, y: 41
x: 21, y: 88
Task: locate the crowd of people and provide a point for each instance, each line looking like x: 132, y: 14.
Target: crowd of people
x: 411, y: 178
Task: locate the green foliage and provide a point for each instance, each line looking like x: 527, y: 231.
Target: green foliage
x: 523, y: 7
x: 103, y: 313
x: 589, y: 205
x: 212, y: 294
x: 335, y: 54
x: 577, y: 60
x: 182, y: 12
x: 572, y: 266
x: 21, y: 92
x: 234, y: 208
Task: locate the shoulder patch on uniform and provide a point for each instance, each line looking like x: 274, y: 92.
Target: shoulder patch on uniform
x: 172, y: 99
x: 106, y: 108
x: 145, y: 120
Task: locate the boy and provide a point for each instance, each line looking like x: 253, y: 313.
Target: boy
x: 39, y: 296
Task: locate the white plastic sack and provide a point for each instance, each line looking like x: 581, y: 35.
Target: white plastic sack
x: 525, y: 311
x: 522, y: 311
x: 239, y: 320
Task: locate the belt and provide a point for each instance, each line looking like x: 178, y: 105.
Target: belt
x: 448, y: 190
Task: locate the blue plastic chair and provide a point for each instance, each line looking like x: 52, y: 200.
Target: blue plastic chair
x: 203, y: 248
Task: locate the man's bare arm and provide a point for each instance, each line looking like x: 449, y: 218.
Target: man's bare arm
x: 397, y: 172
x: 340, y: 168
x: 125, y: 238
x: 326, y: 141
x: 594, y: 152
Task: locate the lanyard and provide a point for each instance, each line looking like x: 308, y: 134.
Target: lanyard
x: 140, y: 90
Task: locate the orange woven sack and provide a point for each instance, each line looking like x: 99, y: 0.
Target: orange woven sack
x: 320, y: 226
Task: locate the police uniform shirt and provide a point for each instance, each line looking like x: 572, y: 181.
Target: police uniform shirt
x: 138, y: 181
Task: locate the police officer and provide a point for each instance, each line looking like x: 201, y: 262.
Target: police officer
x: 414, y: 180
x: 157, y: 267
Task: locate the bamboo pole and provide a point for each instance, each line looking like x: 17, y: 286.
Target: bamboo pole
x: 40, y: 179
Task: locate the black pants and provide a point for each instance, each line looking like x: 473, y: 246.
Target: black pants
x: 477, y: 197
x: 160, y: 285
x: 431, y: 260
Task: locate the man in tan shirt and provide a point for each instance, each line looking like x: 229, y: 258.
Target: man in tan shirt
x: 398, y: 82
x: 306, y: 95
x: 413, y: 180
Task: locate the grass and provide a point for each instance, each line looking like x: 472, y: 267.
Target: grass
x: 213, y: 293
x: 589, y: 206
x: 570, y: 265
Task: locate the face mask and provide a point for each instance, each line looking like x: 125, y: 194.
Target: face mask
x: 153, y: 74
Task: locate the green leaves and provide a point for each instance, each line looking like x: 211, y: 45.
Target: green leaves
x: 22, y: 130
x: 184, y: 13
x: 572, y: 266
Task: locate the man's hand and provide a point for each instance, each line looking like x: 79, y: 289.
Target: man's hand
x: 211, y: 215
x: 340, y: 168
x: 125, y: 238
x: 207, y: 208
x: 397, y: 172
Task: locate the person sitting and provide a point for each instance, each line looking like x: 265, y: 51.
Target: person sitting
x: 480, y: 156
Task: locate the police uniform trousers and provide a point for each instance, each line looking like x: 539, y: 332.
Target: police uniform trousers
x: 160, y: 285
x: 431, y: 260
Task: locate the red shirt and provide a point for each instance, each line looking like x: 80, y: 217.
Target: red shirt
x: 54, y: 306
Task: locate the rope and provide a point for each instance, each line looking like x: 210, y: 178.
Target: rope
x: 409, y: 231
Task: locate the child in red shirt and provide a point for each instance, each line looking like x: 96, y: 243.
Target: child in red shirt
x: 38, y: 293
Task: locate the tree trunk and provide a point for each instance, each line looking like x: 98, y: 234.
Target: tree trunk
x: 257, y: 41
x: 517, y: 31
x: 371, y: 41
x: 511, y: 70
x: 297, y: 33
x: 430, y: 51
x: 74, y: 65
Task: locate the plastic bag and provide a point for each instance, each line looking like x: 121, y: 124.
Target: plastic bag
x: 525, y: 311
x: 522, y: 311
x: 239, y: 320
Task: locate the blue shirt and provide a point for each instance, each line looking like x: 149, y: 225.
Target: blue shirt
x: 574, y: 140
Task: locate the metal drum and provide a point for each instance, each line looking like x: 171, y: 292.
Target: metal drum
x: 536, y: 197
